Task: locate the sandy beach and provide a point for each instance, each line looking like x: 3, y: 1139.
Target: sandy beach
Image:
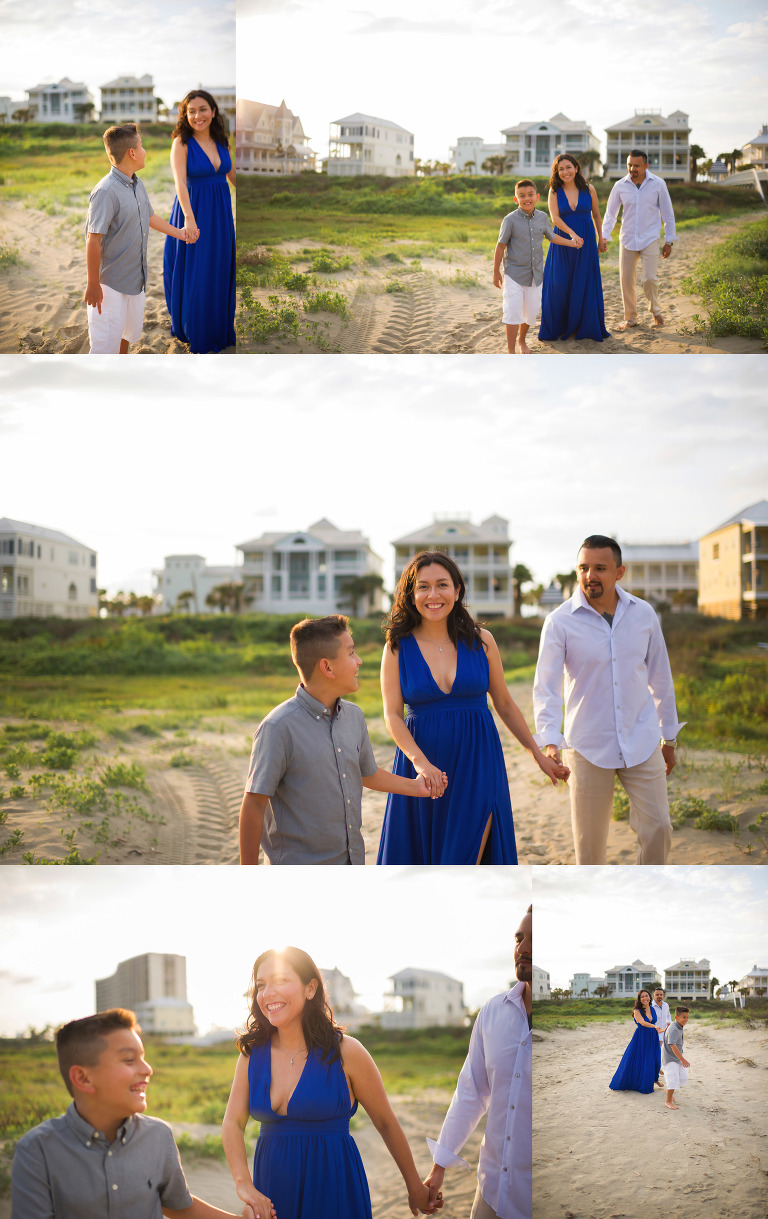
x: 419, y: 1116
x: 41, y: 300
x: 599, y: 1154
x: 453, y: 307
x: 195, y: 784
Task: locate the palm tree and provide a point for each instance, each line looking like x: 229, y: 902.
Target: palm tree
x: 183, y: 600
x: 696, y: 153
x: 584, y: 992
x: 713, y: 982
x: 361, y: 588
x: 226, y: 597
x: 567, y: 581
x: 588, y: 158
x: 83, y: 111
x: 602, y: 991
x: 520, y: 576
x: 494, y: 165
x: 23, y: 115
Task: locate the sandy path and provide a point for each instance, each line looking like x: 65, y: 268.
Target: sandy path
x: 599, y: 1154
x: 453, y: 308
x: 41, y: 301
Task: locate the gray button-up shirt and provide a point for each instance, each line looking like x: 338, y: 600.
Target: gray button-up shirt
x: 64, y: 1169
x: 523, y: 236
x: 120, y: 210
x: 311, y: 762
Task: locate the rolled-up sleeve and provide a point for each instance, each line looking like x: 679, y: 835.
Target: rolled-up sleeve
x: 548, y: 686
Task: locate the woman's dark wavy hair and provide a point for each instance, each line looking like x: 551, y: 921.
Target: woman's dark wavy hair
x: 404, y: 617
x: 321, y: 1032
x: 638, y: 1005
x: 218, y: 128
x: 554, y: 178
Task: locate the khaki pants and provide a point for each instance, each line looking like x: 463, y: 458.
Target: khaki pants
x: 649, y: 275
x: 592, y: 805
x: 481, y: 1209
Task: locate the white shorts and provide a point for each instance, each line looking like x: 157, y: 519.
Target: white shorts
x: 121, y: 317
x: 519, y: 303
x: 675, y: 1075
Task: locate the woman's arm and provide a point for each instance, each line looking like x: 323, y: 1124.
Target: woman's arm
x: 392, y: 697
x: 602, y: 244
x: 511, y: 715
x: 233, y: 1141
x: 179, y: 170
x: 366, y: 1086
x: 554, y: 212
x: 640, y: 1019
x: 231, y: 175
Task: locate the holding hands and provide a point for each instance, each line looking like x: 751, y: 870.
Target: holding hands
x: 433, y: 781
x: 434, y: 1183
x: 256, y: 1205
x: 577, y: 241
x: 189, y: 234
x: 552, y: 766
x: 602, y: 245
x: 422, y: 1200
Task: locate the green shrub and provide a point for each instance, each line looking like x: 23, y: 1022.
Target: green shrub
x: 326, y: 302
x: 124, y: 774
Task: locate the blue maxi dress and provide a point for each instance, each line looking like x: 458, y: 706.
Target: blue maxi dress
x: 199, y: 279
x: 457, y: 733
x: 307, y: 1162
x: 572, y: 293
x: 639, y: 1066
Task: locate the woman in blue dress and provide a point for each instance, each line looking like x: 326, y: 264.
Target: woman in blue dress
x: 639, y: 1066
x: 441, y: 665
x: 199, y: 278
x: 302, y: 1078
x: 572, y: 292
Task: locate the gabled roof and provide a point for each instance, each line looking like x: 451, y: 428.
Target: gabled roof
x: 64, y: 83
x: 640, y: 966
x: 250, y: 114
x: 322, y: 530
x: 635, y: 552
x: 651, y: 120
x: 357, y: 117
x: 755, y: 514
x: 458, y: 529
x: 128, y: 80
x: 8, y: 525
x: 761, y: 138
x: 560, y: 121
x: 690, y: 964
x: 423, y: 973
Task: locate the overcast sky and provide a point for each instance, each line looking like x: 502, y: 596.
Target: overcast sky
x: 589, y: 919
x: 443, y: 68
x: 181, y: 45
x: 65, y: 927
x: 157, y: 464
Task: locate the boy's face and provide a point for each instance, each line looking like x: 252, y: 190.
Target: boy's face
x: 682, y: 1017
x: 527, y: 198
x: 118, y: 1082
x: 345, y: 664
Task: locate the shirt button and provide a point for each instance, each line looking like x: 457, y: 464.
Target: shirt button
x: 88, y: 1144
x: 505, y: 1170
x: 511, y: 1106
x: 343, y: 776
x: 338, y: 751
x: 109, y: 1153
x: 517, y: 1074
x: 317, y: 717
x: 525, y: 1043
x: 347, y: 801
x: 115, y: 1187
x: 507, y: 1138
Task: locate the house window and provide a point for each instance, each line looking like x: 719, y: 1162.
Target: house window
x: 7, y: 546
x: 6, y: 580
x: 22, y: 585
x: 72, y: 592
x: 715, y: 550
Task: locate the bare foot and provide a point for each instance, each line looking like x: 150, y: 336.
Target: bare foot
x: 658, y: 320
x: 524, y: 348
x: 626, y: 326
x: 659, y: 1085
x: 670, y: 1105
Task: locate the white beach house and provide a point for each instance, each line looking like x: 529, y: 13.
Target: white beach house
x: 626, y: 980
x: 67, y: 101
x: 540, y: 983
x: 189, y: 573
x: 687, y: 979
x: 756, y: 149
x: 755, y: 981
x: 271, y: 140
x: 481, y: 552
x: 45, y: 574
x: 422, y: 999
x: 528, y: 148
x: 662, y: 572
x: 664, y: 139
x: 363, y: 144
x: 129, y: 99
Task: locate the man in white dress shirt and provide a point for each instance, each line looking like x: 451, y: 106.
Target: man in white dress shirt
x: 496, y: 1078
x: 663, y: 1021
x: 605, y: 648
x: 646, y: 203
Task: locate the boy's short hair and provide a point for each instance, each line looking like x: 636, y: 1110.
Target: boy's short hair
x: 525, y: 182
x: 117, y: 140
x: 598, y: 541
x: 316, y: 639
x: 680, y: 1009
x: 80, y: 1042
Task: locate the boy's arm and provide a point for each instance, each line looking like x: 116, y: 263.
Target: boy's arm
x: 384, y: 781
x: 252, y: 812
x: 31, y: 1196
x: 93, y: 294
x: 162, y: 226
x: 498, y: 278
x: 574, y: 242
x: 204, y: 1210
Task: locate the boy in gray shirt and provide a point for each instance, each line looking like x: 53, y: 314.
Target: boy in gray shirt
x: 521, y: 246
x: 674, y: 1066
x: 117, y: 229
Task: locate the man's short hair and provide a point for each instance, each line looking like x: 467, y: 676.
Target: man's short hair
x: 525, y: 182
x: 638, y: 152
x: 117, y: 140
x: 680, y: 1009
x: 598, y: 541
x: 661, y: 988
x: 316, y: 639
x: 79, y: 1043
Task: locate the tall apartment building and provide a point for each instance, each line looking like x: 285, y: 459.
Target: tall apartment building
x: 271, y: 140
x: 481, y: 552
x: 67, y: 101
x: 664, y: 139
x: 45, y: 574
x: 665, y: 573
x: 189, y: 573
x: 154, y: 986
x: 362, y: 144
x: 309, y: 571
x: 687, y: 979
x: 626, y: 980
x: 424, y: 999
x: 129, y: 99
x: 733, y: 566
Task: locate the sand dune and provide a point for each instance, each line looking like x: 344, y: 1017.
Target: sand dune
x: 599, y: 1154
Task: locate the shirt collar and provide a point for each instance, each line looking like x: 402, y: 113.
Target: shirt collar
x: 515, y: 995
x: 86, y: 1134
x: 318, y: 709
x: 124, y: 178
x: 579, y: 600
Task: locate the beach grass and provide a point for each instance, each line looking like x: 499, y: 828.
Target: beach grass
x: 578, y: 1013
x: 732, y: 284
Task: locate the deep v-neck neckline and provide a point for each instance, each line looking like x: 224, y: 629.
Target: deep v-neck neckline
x: 445, y: 693
x: 215, y: 168
x: 295, y: 1087
x: 567, y: 200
